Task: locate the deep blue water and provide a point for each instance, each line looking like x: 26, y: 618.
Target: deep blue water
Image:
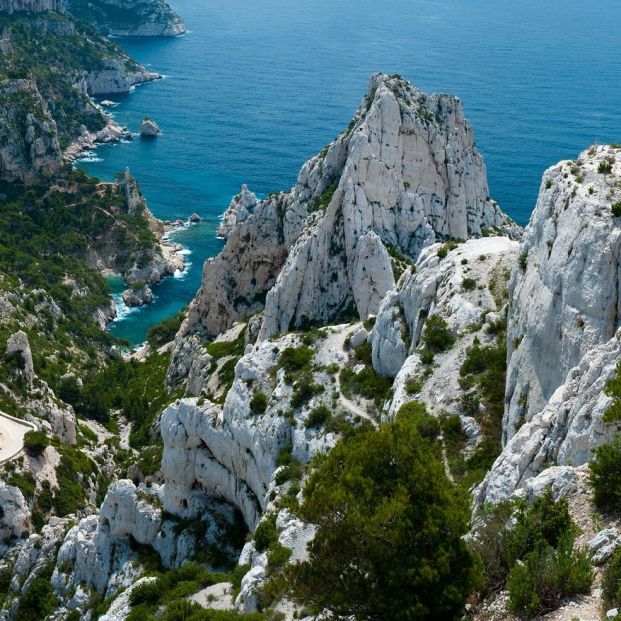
x: 256, y: 88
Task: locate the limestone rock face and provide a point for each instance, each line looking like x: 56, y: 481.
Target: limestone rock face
x: 410, y: 175
x: 138, y: 297
x: 405, y: 174
x: 114, y: 78
x: 231, y: 452
x: 565, y: 297
x: 463, y: 287
x: 18, y: 345
x: 240, y: 208
x: 15, y: 515
x: 149, y: 128
x: 565, y: 432
x: 130, y: 18
x: 29, y: 144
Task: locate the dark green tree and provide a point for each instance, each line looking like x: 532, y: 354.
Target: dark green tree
x: 390, y: 525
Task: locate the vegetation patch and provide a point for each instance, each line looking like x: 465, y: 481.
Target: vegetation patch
x: 376, y: 550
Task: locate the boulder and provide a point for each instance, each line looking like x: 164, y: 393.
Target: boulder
x: 138, y: 296
x: 149, y: 128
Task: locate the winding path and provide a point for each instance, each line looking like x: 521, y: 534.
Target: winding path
x: 12, y: 432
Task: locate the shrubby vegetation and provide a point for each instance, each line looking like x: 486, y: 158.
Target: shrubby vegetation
x: 530, y: 549
x: 165, y: 331
x: 137, y: 389
x: 56, y: 60
x: 165, y: 599
x: 48, y: 232
x: 605, y: 476
x: 35, y: 442
x: 611, y: 584
x: 386, y: 515
x: 483, y: 375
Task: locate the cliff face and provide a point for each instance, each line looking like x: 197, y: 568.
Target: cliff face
x: 129, y: 18
x: 405, y: 174
x: 563, y: 338
x: 565, y: 297
x: 29, y: 144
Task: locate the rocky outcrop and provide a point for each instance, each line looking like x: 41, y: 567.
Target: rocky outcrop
x: 138, y: 296
x: 130, y: 18
x: 405, y: 174
x: 14, y: 513
x: 32, y: 6
x: 29, y: 144
x: 230, y: 451
x: 114, y: 77
x: 18, y: 347
x: 565, y: 432
x: 149, y: 128
x: 239, y: 209
x: 565, y: 297
x: 462, y: 287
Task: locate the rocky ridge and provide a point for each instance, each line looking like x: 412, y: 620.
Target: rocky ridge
x: 405, y: 174
x: 565, y: 296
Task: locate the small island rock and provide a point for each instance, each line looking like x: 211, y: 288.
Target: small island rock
x: 149, y: 128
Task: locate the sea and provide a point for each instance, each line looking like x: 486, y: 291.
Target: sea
x: 256, y: 87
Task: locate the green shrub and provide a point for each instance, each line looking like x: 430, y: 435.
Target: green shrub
x: 533, y: 553
x: 469, y: 284
x: 611, y: 583
x: 25, y: 481
x: 366, y: 383
x: 613, y: 389
x: 416, y: 413
x: 265, y: 534
x: 317, y: 416
x: 437, y: 337
x: 605, y: 476
x: 147, y: 593
x: 38, y: 601
x: 523, y: 261
x: 376, y: 552
x: 278, y: 555
x: 35, y: 442
x: 164, y: 331
x: 295, y: 359
x: 413, y: 385
x: 616, y: 209
x: 258, y: 403
x: 546, y: 575
x: 304, y: 390
x: 605, y: 167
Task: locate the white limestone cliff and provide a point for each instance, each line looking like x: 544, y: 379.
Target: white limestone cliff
x: 14, y: 514
x: 564, y: 433
x: 239, y: 209
x: 405, y: 174
x: 463, y: 288
x: 565, y: 297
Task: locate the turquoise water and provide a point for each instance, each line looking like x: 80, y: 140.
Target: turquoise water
x: 256, y: 88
